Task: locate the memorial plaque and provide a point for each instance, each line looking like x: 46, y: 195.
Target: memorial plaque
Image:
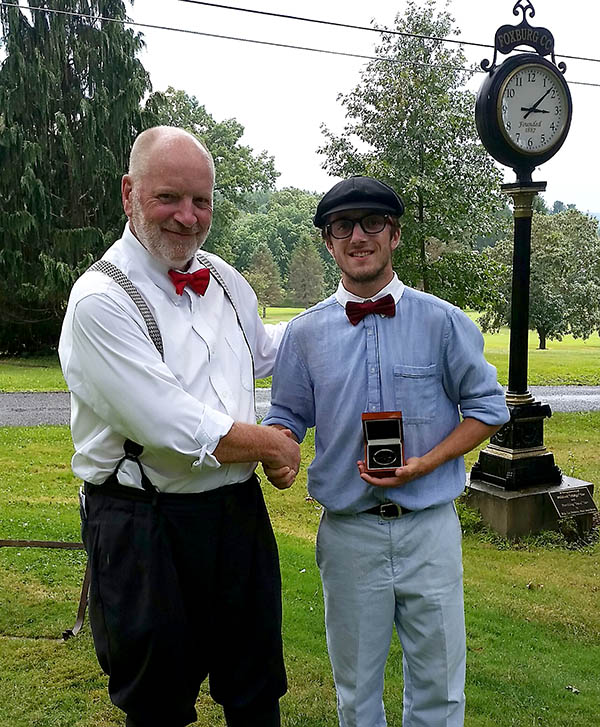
x: 576, y: 501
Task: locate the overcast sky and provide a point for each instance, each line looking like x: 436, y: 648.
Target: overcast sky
x: 282, y: 96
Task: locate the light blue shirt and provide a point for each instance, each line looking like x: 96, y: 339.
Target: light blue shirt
x: 427, y: 362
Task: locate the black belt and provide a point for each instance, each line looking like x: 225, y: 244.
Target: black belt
x: 388, y: 511
x: 124, y: 492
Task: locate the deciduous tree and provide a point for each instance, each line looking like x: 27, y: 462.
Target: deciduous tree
x: 565, y: 278
x: 410, y: 123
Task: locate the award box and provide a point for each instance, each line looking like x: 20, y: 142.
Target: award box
x: 384, y: 442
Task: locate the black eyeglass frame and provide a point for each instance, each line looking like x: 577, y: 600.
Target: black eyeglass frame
x: 386, y: 218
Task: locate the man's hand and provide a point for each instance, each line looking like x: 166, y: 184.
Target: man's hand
x: 410, y: 471
x: 468, y: 434
x: 275, y: 447
x: 283, y: 476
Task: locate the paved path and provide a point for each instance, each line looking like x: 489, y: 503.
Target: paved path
x: 27, y: 409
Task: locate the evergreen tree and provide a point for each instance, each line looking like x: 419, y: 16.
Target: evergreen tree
x: 305, y: 282
x: 264, y: 277
x: 70, y: 92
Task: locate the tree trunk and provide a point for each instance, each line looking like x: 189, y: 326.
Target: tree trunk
x: 421, y: 217
x: 422, y: 255
x: 542, y: 337
x: 264, y: 315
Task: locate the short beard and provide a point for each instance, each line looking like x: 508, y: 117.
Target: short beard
x: 175, y: 255
x: 368, y: 275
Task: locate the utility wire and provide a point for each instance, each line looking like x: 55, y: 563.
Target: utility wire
x: 364, y: 27
x: 244, y: 40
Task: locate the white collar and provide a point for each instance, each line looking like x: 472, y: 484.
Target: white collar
x: 395, y: 288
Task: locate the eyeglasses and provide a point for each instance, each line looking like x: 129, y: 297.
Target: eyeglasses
x: 371, y: 224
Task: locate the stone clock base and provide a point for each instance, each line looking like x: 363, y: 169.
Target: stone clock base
x: 517, y: 513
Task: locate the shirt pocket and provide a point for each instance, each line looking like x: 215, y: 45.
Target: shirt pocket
x: 241, y: 353
x: 416, y: 389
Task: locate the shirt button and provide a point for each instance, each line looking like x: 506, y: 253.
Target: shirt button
x: 372, y: 369
x: 373, y: 407
x: 369, y: 331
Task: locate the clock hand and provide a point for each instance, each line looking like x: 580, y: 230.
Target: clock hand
x: 537, y: 103
x: 534, y: 111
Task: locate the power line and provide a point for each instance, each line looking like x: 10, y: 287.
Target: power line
x: 132, y: 23
x: 363, y: 27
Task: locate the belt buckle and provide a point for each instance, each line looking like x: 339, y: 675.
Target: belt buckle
x: 389, y: 511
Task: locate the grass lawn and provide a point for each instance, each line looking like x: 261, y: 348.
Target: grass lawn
x: 567, y: 362
x: 532, y: 609
x: 571, y: 361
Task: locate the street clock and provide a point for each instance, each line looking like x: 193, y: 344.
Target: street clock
x: 524, y: 108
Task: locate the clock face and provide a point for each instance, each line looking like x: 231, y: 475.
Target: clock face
x: 533, y: 109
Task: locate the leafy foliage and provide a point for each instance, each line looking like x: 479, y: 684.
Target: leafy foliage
x: 70, y: 91
x: 467, y: 278
x: 239, y: 173
x: 283, y: 221
x: 565, y: 277
x: 411, y: 124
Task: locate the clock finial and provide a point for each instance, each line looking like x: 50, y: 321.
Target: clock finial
x: 525, y: 6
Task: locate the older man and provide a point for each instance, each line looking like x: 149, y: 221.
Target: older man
x: 159, y: 349
x: 388, y: 546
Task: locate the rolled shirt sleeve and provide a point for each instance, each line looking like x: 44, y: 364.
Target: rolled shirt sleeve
x: 468, y: 379
x: 120, y: 376
x: 292, y: 396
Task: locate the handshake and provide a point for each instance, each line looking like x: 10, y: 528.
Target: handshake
x: 281, y: 470
x: 275, y: 446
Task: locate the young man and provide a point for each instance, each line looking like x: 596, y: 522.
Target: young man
x: 185, y: 574
x: 388, y: 548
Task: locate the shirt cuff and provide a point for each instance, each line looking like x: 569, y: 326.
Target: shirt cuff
x: 212, y: 428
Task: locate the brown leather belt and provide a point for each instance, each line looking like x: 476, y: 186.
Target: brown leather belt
x: 388, y: 511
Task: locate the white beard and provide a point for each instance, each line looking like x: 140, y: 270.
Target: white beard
x: 165, y: 249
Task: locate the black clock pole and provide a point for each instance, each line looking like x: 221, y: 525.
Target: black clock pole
x: 523, y: 197
x: 516, y: 457
x: 515, y: 481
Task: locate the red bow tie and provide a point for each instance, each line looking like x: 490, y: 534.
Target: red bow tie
x: 357, y: 311
x: 197, y: 281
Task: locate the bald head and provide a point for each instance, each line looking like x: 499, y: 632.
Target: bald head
x: 158, y: 141
x: 168, y: 194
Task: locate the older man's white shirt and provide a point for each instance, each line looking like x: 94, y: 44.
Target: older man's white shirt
x: 179, y: 408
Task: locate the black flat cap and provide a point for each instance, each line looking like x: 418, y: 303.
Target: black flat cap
x: 358, y: 193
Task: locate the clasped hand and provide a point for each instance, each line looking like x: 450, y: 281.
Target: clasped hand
x: 412, y: 469
x: 282, y: 472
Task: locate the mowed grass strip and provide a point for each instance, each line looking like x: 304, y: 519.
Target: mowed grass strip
x: 570, y: 362
x: 532, y: 611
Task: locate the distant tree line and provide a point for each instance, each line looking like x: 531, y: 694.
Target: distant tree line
x: 74, y: 95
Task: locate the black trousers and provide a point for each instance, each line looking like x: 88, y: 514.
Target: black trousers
x: 182, y: 588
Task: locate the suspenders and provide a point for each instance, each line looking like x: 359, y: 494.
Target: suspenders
x: 132, y: 449
x: 106, y: 267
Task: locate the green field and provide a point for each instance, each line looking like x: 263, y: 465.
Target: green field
x: 568, y: 362
x: 532, y: 609
x: 572, y: 361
